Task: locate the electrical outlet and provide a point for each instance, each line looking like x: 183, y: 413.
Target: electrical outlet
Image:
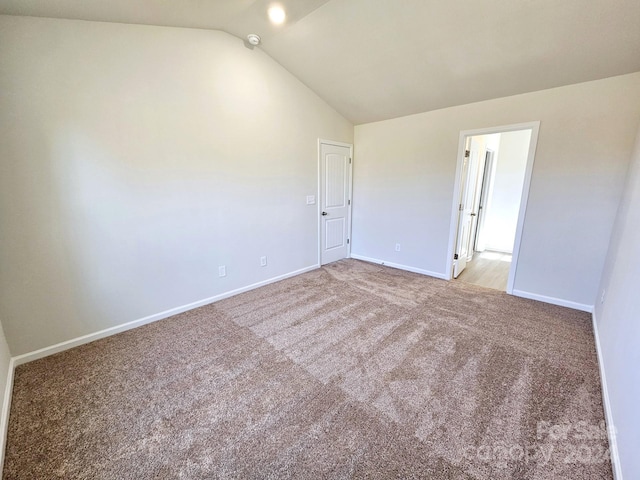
x: 397, y: 247
x: 263, y: 261
x: 222, y: 271
x: 602, y: 298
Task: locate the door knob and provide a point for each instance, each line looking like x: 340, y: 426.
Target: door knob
x: 473, y: 214
x: 324, y: 214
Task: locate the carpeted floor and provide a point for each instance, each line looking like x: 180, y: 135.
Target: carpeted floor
x: 350, y: 371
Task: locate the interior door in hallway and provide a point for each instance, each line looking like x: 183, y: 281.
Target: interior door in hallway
x: 464, y: 248
x: 483, y: 184
x: 335, y: 202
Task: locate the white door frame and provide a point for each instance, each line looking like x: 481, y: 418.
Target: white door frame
x: 535, y: 128
x: 322, y: 141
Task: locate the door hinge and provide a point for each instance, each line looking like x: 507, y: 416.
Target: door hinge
x: 347, y: 241
x: 461, y: 207
x: 349, y: 160
x: 349, y: 202
x: 455, y: 256
x: 467, y: 153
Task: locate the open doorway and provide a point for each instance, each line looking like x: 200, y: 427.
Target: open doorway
x: 492, y: 186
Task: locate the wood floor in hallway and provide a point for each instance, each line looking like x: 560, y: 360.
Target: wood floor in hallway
x: 488, y: 269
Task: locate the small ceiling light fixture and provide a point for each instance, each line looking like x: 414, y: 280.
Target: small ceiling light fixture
x: 253, y: 39
x: 276, y: 14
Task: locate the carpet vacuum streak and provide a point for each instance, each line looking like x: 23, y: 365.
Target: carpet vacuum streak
x: 353, y: 370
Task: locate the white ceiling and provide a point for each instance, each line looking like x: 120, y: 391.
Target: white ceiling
x: 378, y: 59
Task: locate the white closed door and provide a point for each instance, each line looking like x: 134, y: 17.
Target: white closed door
x: 335, y: 172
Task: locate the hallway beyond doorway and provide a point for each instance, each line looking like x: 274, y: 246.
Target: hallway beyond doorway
x: 488, y: 269
x: 493, y: 175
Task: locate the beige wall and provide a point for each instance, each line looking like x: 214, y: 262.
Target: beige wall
x: 405, y: 169
x: 135, y: 161
x: 618, y: 322
x: 5, y: 358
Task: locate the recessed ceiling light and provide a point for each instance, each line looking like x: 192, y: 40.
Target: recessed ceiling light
x: 276, y: 14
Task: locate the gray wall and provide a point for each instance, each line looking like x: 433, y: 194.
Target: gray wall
x: 405, y: 169
x: 618, y: 322
x: 135, y: 161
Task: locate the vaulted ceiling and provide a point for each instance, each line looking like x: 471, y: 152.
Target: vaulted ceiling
x: 378, y: 59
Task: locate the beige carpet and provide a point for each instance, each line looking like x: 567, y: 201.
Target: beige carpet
x: 350, y: 371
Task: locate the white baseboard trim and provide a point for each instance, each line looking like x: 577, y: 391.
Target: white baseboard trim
x: 62, y: 346
x: 498, y: 250
x: 611, y: 431
x: 554, y: 301
x: 4, y: 415
x: 399, y: 266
